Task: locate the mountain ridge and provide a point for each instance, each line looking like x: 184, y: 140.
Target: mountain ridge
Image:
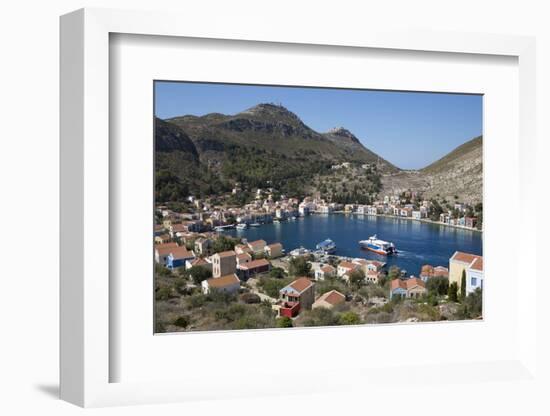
x: 267, y: 143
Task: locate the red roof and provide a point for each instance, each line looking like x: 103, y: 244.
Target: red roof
x: 223, y: 281
x: 477, y: 264
x: 254, y: 264
x: 301, y: 284
x: 181, y: 253
x: 333, y: 297
x: 226, y: 253
x: 464, y: 257
x: 348, y: 265
x: 407, y: 284
x: 165, y: 249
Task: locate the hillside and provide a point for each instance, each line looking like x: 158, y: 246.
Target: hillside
x: 273, y: 129
x: 459, y: 173
x: 269, y: 146
x: 263, y: 146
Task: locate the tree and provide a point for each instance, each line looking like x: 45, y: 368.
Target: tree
x: 277, y: 273
x: 198, y: 274
x: 394, y: 273
x: 299, y: 266
x: 284, y: 322
x: 438, y: 286
x: 223, y: 243
x: 271, y: 287
x: 349, y: 318
x: 453, y: 292
x: 473, y: 304
x: 356, y: 279
x: 463, y: 285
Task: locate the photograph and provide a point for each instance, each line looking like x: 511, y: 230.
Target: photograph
x: 294, y: 206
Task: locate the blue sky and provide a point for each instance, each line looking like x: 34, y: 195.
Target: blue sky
x: 409, y: 129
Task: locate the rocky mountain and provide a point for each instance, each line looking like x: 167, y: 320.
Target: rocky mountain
x: 275, y: 129
x: 264, y: 146
x: 459, y: 173
x: 268, y: 145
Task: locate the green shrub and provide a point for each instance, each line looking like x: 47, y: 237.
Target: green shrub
x: 284, y: 322
x: 181, y: 322
x: 349, y: 318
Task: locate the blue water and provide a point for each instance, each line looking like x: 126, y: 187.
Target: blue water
x: 418, y: 243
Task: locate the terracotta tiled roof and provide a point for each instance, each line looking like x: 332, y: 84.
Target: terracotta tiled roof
x: 165, y: 249
x: 333, y: 297
x: 427, y: 269
x: 257, y: 243
x: 181, y: 253
x: 223, y: 281
x: 327, y: 268
x: 477, y: 264
x: 301, y: 284
x: 226, y: 253
x: 464, y: 257
x: 347, y: 265
x: 407, y: 284
x: 254, y: 264
x: 199, y: 262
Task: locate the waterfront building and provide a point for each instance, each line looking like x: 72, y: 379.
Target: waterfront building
x: 325, y: 271
x: 257, y: 246
x: 463, y: 262
x: 474, y: 276
x: 274, y: 250
x: 346, y: 267
x: 409, y: 288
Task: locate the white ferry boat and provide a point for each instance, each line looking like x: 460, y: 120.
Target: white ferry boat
x: 382, y: 247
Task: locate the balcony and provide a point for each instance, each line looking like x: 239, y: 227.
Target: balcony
x: 289, y: 309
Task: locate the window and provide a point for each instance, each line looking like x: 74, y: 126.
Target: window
x: 474, y: 281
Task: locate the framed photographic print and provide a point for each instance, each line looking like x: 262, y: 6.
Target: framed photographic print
x: 231, y: 201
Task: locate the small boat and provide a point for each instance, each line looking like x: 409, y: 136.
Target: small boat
x: 255, y: 224
x: 328, y: 246
x: 382, y: 247
x: 241, y: 226
x: 299, y: 252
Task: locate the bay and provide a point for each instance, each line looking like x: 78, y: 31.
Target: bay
x: 417, y: 242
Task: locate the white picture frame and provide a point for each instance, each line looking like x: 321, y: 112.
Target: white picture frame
x: 86, y: 353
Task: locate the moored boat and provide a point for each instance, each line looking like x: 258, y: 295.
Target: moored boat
x: 378, y: 246
x: 255, y: 224
x: 328, y: 246
x: 241, y: 226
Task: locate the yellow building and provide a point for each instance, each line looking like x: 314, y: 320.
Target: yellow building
x: 458, y: 264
